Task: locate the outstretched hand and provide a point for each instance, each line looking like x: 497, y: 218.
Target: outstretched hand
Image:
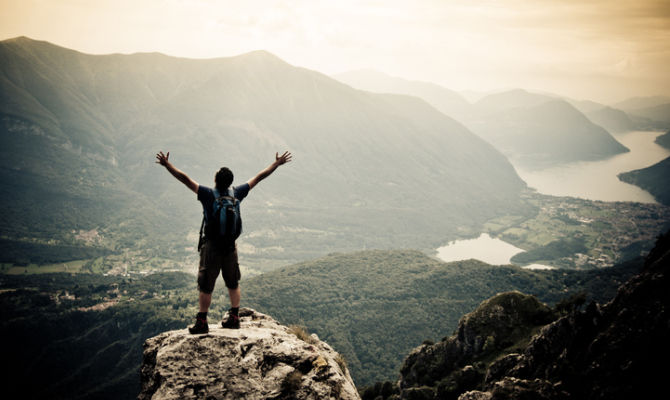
x: 283, y: 159
x: 162, y: 159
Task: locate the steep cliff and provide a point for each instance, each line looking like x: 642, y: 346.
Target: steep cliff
x: 501, y: 324
x: 262, y: 360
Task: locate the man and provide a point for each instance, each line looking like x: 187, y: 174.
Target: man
x: 214, y: 256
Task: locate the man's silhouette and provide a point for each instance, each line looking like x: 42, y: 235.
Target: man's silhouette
x: 216, y: 257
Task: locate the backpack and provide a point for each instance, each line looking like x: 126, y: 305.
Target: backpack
x: 226, y: 223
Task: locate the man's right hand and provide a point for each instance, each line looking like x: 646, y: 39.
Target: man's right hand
x: 283, y: 159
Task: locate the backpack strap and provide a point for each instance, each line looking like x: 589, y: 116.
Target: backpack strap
x: 201, y: 237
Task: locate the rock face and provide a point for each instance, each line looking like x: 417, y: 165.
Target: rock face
x: 261, y: 360
x: 615, y: 351
x: 455, y: 365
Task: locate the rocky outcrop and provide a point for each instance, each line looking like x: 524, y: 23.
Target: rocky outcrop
x: 455, y: 364
x: 262, y: 360
x: 615, y: 351
x: 504, y: 350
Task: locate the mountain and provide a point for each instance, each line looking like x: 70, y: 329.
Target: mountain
x: 634, y: 103
x: 615, y: 121
x: 261, y: 360
x: 653, y: 179
x: 82, y: 334
x: 79, y: 132
x: 652, y: 110
x: 509, y: 348
x: 664, y: 140
x: 512, y: 120
x: 510, y: 99
x: 501, y: 324
x: 448, y: 101
x: 537, y: 131
x: 585, y: 106
x: 659, y: 113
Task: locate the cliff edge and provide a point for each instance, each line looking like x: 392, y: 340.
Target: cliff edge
x: 261, y: 360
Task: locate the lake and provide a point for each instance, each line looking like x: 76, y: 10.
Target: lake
x: 597, y: 180
x: 484, y: 248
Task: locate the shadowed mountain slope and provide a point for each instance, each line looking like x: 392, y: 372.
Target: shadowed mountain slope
x: 664, y: 140
x: 654, y: 179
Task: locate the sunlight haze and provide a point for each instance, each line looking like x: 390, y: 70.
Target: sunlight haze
x: 599, y: 50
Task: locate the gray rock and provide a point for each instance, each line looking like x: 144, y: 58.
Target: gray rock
x: 494, y: 325
x: 261, y: 360
x: 475, y: 395
x: 501, y: 367
x: 521, y: 389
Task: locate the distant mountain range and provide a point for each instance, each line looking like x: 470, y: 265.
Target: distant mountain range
x: 537, y: 130
x: 509, y: 119
x: 638, y: 103
x: 447, y: 101
x: 79, y: 132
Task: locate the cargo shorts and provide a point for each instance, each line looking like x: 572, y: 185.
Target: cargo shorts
x: 214, y: 260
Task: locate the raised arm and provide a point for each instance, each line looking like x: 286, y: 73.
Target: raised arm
x: 162, y: 159
x: 279, y: 160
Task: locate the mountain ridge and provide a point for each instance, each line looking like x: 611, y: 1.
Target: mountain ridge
x: 507, y: 120
x: 107, y: 115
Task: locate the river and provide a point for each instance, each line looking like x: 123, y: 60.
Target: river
x: 595, y: 180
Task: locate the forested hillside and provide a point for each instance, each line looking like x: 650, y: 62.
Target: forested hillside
x: 653, y: 179
x: 664, y: 140
x: 375, y: 306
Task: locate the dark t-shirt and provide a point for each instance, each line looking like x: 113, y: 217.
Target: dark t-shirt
x: 206, y: 197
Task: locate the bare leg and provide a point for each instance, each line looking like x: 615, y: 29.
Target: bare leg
x: 235, y: 296
x: 204, y: 301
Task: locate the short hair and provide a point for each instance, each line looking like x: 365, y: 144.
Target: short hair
x: 223, y: 178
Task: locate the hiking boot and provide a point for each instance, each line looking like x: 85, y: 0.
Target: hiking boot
x: 233, y: 322
x: 199, y: 327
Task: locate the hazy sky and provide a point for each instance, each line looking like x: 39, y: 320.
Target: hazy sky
x: 603, y: 50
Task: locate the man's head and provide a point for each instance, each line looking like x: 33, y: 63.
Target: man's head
x: 223, y: 178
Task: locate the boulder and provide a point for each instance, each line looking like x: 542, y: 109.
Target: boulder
x: 261, y: 360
